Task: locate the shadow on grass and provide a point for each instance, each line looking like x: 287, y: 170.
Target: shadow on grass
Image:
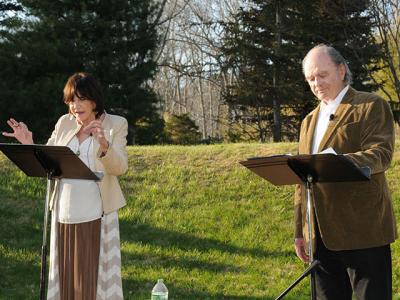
x: 19, y: 278
x: 167, y: 262
x: 146, y: 234
x: 133, y: 232
x: 21, y: 217
x: 132, y: 288
x: 141, y: 290
x: 21, y: 224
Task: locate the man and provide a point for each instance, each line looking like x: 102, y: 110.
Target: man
x: 354, y: 221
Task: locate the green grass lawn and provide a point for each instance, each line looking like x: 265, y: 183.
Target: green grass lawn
x: 195, y: 217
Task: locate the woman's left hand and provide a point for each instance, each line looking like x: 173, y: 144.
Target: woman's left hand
x: 20, y: 132
x: 95, y: 128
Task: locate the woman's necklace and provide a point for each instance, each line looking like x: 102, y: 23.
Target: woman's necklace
x: 78, y: 151
x: 81, y: 137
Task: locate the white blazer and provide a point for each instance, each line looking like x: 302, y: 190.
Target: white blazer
x: 113, y: 164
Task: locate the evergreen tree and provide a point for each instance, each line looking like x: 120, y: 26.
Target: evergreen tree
x: 266, y: 47
x: 114, y: 40
x: 181, y: 129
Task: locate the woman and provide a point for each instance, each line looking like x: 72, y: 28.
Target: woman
x: 85, y: 260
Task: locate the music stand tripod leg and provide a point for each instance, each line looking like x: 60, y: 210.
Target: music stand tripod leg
x: 310, y: 240
x: 44, y: 243
x: 312, y: 263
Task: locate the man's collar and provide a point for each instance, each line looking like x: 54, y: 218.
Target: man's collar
x: 338, y: 98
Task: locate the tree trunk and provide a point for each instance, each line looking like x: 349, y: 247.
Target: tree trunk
x: 203, y: 109
x: 277, y: 128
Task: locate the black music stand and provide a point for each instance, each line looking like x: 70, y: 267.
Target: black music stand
x: 51, y: 162
x: 306, y: 170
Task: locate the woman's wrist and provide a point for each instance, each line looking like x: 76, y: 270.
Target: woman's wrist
x: 27, y: 139
x: 104, y: 148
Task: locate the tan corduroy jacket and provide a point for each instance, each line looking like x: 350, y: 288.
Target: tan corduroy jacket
x: 352, y: 215
x: 113, y: 164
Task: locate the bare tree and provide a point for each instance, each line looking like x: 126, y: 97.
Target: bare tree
x: 386, y: 14
x: 191, y: 78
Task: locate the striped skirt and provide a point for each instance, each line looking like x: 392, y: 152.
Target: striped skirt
x: 109, y: 283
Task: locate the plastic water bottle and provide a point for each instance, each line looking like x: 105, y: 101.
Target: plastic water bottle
x: 160, y: 291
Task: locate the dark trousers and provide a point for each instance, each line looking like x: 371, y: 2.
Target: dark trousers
x: 366, y: 272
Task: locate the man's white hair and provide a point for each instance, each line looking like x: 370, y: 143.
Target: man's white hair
x: 336, y: 58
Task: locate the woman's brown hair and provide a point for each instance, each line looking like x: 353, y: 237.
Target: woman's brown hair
x: 85, y: 87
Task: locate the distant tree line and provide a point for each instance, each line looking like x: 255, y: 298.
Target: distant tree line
x: 235, y: 66
x: 42, y: 42
x: 190, y: 71
x: 265, y: 48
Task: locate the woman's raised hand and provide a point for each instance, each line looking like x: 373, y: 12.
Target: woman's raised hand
x: 95, y: 128
x: 20, y: 132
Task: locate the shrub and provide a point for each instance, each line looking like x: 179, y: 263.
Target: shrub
x: 181, y: 129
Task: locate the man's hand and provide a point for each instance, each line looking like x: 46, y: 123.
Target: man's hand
x: 300, y: 246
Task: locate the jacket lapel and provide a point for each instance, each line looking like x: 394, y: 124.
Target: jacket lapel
x: 341, y: 112
x: 75, y: 127
x: 307, y: 132
x: 310, y: 130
